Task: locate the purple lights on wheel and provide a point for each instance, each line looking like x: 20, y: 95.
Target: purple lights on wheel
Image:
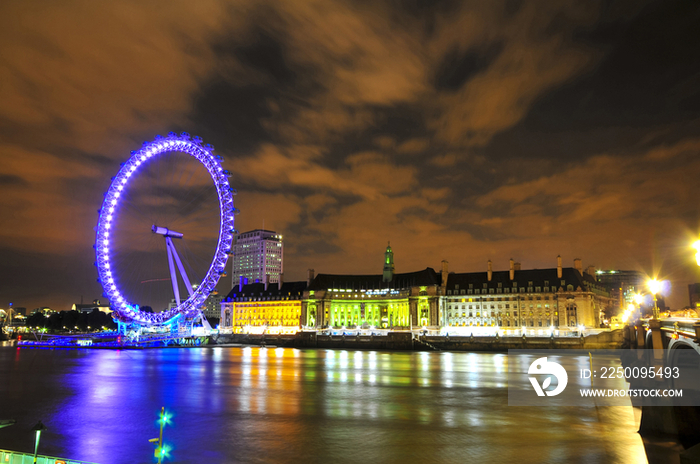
x: 128, y: 311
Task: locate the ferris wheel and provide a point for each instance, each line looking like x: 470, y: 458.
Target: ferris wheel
x: 165, y: 230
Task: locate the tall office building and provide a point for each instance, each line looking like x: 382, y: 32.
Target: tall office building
x: 256, y: 254
x: 623, y: 285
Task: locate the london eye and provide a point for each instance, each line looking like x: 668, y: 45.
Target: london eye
x: 164, y: 232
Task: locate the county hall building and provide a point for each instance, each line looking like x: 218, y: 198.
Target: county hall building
x: 555, y: 298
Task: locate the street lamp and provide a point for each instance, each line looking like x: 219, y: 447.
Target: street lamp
x: 696, y: 245
x: 654, y: 287
x: 37, y: 429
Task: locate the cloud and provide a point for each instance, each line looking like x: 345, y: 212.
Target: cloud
x: 413, y: 146
x: 276, y: 211
x: 444, y: 161
x: 352, y: 58
x: 617, y: 210
x: 349, y: 124
x: 43, y: 201
x: 104, y: 71
x: 369, y: 175
x: 526, y: 62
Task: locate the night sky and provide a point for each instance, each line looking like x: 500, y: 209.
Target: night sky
x: 463, y: 131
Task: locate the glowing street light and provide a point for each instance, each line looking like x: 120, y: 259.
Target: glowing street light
x: 638, y: 299
x: 628, y: 312
x: 654, y: 287
x: 161, y: 450
x: 37, y: 429
x: 696, y: 245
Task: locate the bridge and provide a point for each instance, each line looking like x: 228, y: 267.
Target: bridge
x: 668, y: 334
x: 670, y: 342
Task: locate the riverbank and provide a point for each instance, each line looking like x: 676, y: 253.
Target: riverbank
x: 409, y: 342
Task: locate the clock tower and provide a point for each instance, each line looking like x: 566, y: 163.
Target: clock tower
x: 388, y: 264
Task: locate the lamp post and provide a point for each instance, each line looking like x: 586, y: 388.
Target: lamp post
x: 161, y: 450
x: 37, y: 429
x: 654, y: 287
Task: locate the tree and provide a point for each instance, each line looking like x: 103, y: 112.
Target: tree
x: 37, y: 320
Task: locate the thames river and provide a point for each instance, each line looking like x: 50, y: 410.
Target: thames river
x: 260, y: 405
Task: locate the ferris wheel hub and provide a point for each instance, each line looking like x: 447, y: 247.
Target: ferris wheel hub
x: 165, y: 232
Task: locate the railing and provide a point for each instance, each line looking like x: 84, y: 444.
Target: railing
x: 16, y: 457
x: 686, y: 327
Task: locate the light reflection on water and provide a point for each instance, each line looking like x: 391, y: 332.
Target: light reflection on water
x: 249, y: 404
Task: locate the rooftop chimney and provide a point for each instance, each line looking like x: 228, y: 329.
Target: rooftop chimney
x: 578, y: 266
x: 559, y: 274
x: 512, y: 269
x: 280, y: 282
x: 267, y: 281
x: 309, y: 277
x: 490, y: 271
x: 240, y: 283
x: 516, y: 266
x: 591, y: 272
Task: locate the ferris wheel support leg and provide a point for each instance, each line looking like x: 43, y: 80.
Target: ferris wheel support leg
x: 188, y: 284
x: 173, y: 276
x: 206, y: 324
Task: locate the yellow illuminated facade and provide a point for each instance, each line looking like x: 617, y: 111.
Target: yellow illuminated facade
x: 258, y: 316
x: 533, y: 299
x: 256, y: 308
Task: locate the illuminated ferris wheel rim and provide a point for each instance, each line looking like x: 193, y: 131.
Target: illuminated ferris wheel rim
x: 193, y: 146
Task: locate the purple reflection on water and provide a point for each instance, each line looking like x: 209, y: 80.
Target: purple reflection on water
x: 245, y: 404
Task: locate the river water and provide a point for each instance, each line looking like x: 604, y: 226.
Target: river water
x: 260, y: 405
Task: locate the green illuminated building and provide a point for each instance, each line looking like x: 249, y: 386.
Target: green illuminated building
x: 386, y: 300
